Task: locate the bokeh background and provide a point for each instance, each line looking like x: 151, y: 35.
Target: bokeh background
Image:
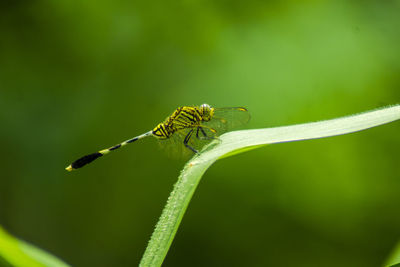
x: 78, y: 76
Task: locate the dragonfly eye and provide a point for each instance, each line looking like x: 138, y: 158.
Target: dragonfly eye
x: 205, y: 111
x: 205, y: 106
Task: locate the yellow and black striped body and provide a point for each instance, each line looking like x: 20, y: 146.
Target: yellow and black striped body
x: 186, y: 117
x: 183, y: 118
x: 79, y: 163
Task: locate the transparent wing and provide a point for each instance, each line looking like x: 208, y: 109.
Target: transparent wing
x: 226, y: 119
x: 175, y: 148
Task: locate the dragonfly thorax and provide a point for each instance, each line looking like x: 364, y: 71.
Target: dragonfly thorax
x: 183, y: 118
x: 162, y: 131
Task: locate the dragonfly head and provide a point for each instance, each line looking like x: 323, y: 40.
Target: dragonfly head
x: 206, y: 112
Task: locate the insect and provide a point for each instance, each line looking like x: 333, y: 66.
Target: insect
x: 202, y: 122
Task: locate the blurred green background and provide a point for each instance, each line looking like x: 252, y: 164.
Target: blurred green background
x: 78, y: 76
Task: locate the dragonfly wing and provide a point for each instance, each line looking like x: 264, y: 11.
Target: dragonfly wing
x: 226, y: 119
x: 175, y: 146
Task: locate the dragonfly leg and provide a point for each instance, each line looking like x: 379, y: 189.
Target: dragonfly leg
x: 186, y: 141
x: 205, y: 136
x: 197, y: 133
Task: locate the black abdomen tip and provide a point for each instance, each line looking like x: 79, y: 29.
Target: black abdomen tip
x: 85, y: 160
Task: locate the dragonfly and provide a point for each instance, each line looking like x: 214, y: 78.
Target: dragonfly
x: 186, y: 123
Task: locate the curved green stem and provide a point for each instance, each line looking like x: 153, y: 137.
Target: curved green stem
x: 237, y: 142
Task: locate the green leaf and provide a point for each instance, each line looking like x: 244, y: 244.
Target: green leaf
x: 394, y: 258
x: 18, y: 253
x: 236, y: 142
